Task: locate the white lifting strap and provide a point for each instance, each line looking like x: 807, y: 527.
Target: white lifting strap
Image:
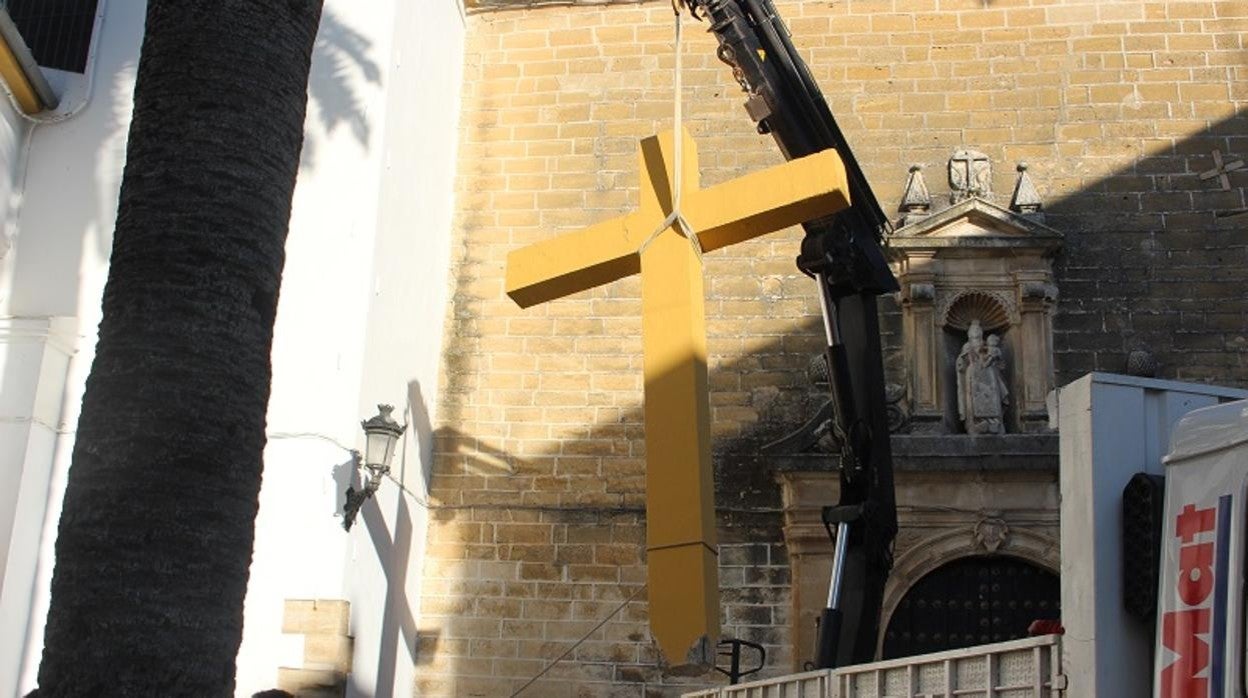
x: 676, y: 218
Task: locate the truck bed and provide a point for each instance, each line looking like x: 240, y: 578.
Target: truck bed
x: 1029, y: 668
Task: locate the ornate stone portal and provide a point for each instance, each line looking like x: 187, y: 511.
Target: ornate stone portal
x: 943, y: 514
x: 975, y: 463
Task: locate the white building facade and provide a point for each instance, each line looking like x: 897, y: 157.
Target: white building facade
x: 360, y: 322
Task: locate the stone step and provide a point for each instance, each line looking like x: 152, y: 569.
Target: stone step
x: 312, y: 683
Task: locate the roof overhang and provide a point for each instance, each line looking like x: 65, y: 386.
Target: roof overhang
x: 20, y: 72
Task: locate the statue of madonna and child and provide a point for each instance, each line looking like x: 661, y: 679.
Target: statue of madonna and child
x: 982, y: 390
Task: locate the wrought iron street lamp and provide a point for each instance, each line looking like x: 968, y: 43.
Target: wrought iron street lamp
x: 381, y: 434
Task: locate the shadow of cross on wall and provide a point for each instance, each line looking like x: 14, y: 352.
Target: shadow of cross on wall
x: 680, y: 507
x: 393, y: 553
x: 394, y: 549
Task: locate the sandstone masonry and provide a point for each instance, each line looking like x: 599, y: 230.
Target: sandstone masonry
x: 537, y: 527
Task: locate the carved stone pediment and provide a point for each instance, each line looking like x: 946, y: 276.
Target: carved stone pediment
x: 978, y: 224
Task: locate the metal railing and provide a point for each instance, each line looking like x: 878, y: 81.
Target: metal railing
x: 1029, y: 668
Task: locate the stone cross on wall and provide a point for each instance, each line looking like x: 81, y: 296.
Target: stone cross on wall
x: 680, y: 508
x: 970, y: 174
x: 1222, y: 170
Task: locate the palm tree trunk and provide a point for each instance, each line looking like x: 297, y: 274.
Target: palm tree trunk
x: 155, y: 541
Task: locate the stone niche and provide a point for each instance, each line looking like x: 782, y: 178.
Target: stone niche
x: 975, y: 262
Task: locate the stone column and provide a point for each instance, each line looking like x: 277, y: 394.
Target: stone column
x: 922, y: 351
x: 1034, y: 379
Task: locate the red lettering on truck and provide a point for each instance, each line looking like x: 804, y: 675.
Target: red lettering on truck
x: 1195, y: 573
x: 1192, y: 522
x: 1181, y: 630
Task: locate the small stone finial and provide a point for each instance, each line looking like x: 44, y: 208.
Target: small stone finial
x: 916, y: 202
x: 1026, y: 200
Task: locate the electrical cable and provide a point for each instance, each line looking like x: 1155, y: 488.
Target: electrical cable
x: 581, y: 641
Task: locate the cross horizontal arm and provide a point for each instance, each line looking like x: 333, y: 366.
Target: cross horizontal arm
x: 769, y: 200
x: 741, y: 209
x: 573, y: 262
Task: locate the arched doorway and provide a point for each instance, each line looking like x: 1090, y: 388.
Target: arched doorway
x: 971, y: 601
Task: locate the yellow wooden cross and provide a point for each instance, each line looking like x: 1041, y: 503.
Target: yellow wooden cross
x: 680, y: 504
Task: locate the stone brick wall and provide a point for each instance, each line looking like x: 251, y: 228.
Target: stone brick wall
x: 538, y: 504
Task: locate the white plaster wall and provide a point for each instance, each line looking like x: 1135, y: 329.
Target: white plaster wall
x: 318, y: 347
x: 13, y: 133
x: 22, y: 437
x: 404, y: 334
x: 19, y: 367
x: 360, y: 319
x: 360, y: 322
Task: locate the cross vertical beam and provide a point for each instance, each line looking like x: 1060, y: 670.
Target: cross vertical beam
x: 680, y: 489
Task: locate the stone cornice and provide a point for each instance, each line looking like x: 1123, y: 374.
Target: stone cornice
x: 945, y: 453
x: 60, y: 333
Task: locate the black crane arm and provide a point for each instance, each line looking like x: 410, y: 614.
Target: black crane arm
x: 785, y: 101
x: 843, y: 252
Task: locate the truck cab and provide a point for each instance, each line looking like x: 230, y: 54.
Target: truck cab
x: 1199, y: 650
